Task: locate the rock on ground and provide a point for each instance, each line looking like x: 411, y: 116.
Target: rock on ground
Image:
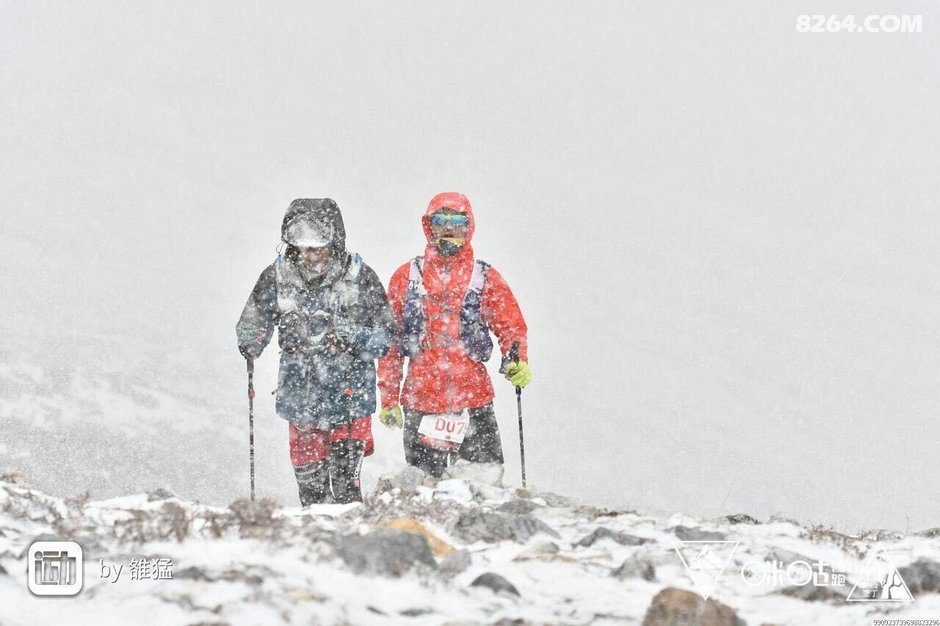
x: 385, y: 552
x: 814, y: 593
x: 635, y: 567
x: 678, y: 607
x: 495, y: 582
x: 408, y: 524
x: 475, y: 525
x: 622, y: 538
x: 697, y: 534
x: 921, y: 576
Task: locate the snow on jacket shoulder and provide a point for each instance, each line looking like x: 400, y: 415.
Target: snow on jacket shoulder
x: 316, y: 373
x: 312, y: 384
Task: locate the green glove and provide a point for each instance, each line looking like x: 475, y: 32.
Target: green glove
x: 518, y: 373
x: 392, y: 418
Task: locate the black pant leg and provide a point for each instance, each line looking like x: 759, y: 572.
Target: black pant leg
x: 482, y: 443
x: 429, y: 459
x: 313, y: 482
x: 345, y: 463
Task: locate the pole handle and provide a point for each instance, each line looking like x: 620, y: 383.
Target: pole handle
x: 514, y: 357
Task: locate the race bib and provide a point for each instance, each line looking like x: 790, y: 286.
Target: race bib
x: 444, y: 431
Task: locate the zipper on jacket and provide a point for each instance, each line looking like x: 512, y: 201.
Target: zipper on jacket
x: 447, y: 398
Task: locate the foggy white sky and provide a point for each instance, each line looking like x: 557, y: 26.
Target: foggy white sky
x: 722, y: 232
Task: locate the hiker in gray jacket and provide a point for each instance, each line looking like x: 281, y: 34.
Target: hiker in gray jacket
x: 333, y: 321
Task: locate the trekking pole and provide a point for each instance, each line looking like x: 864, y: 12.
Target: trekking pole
x: 251, y: 423
x: 514, y: 357
x: 353, y: 460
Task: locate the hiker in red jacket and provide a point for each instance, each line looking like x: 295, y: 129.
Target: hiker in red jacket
x: 446, y: 304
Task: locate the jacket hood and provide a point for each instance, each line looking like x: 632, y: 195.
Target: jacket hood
x: 314, y: 222
x: 449, y: 200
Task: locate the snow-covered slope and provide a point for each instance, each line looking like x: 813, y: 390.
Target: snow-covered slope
x: 109, y: 414
x: 462, y: 550
x: 113, y: 415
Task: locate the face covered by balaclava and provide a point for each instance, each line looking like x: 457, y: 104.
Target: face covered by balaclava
x: 313, y: 262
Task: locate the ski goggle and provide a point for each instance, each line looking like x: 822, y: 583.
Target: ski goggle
x: 454, y: 219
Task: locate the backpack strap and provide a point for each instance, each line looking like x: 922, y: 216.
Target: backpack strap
x: 416, y: 277
x: 355, y: 267
x: 474, y: 330
x: 345, y: 292
x: 285, y: 286
x: 478, y: 278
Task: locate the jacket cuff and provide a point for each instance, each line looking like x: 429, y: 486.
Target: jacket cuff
x: 390, y: 401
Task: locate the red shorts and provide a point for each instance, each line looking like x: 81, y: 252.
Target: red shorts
x: 308, y: 444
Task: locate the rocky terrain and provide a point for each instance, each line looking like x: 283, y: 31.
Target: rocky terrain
x: 462, y: 550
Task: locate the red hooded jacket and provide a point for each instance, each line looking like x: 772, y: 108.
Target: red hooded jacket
x: 443, y: 379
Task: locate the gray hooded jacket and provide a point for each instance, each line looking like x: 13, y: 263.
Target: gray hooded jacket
x: 331, y: 327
